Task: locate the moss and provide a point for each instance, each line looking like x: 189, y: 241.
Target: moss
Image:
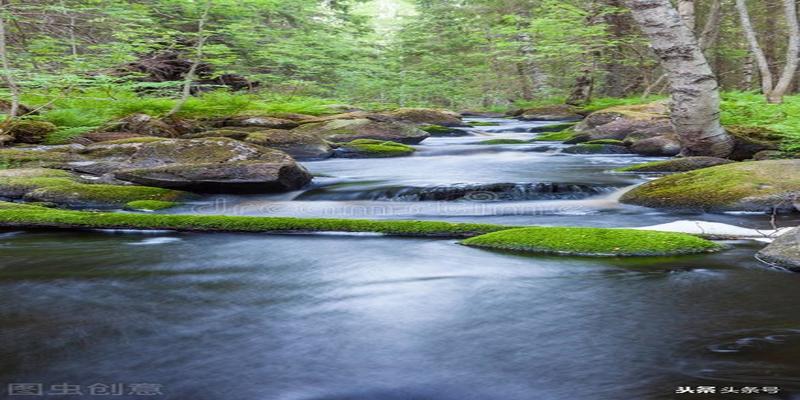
x: 377, y: 148
x: 606, y: 141
x: 676, y: 165
x: 150, y: 205
x: 502, y: 141
x: 24, y: 215
x: 593, y: 242
x: 483, y: 123
x: 437, y: 129
x: 561, y: 136
x: 59, y: 187
x: 15, y: 158
x: 552, y: 128
x: 27, y: 131
x: 721, y: 187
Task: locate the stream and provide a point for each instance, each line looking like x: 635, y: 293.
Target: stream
x: 365, y: 317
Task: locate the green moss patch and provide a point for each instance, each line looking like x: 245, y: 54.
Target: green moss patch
x: 561, y: 136
x: 676, y: 165
x: 375, y: 148
x: 437, y: 129
x: 746, y: 186
x: 59, y: 187
x: 592, y: 242
x: 606, y: 141
x: 483, y: 123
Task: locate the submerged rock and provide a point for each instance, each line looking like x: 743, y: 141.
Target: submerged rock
x: 346, y: 130
x: 677, y: 165
x: 747, y: 186
x: 784, y: 251
x: 368, y: 148
x: 597, y: 149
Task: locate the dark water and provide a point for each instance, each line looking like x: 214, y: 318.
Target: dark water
x: 356, y: 317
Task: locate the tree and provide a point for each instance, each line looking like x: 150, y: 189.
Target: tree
x: 695, y: 107
x: 188, y: 80
x: 8, y: 74
x: 774, y: 91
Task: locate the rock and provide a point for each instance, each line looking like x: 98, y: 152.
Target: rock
x: 628, y: 123
x: 368, y: 148
x: 30, y: 132
x: 5, y: 140
x: 36, y: 157
x: 677, y: 165
x: 144, y: 125
x: 749, y: 141
x: 769, y: 155
x: 227, y: 133
x: 342, y: 108
x: 551, y: 128
x: 64, y: 189
x: 596, y: 149
x: 784, y: 251
x: 302, y: 146
x: 440, y: 131
x: 276, y: 175
x: 346, y: 130
x: 260, y: 122
x: 218, y: 165
x: 561, y: 112
x: 659, y: 146
x: 760, y: 186
x: 426, y: 116
x: 99, y: 137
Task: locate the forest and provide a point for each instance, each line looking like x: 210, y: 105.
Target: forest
x: 400, y: 199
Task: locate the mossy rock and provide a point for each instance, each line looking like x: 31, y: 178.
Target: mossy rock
x: 560, y: 112
x: 677, y: 165
x: 502, y: 141
x: 346, y: 130
x: 596, y: 149
x: 560, y: 136
x: 61, y: 188
x: 483, y: 123
x: 300, y: 145
x: 438, y: 130
x: 606, y: 141
x: 367, y: 148
x: 750, y: 140
x: 19, y: 158
x: 426, y: 116
x: 144, y: 125
x: 133, y: 140
x: 552, y: 128
x: 30, y: 132
x: 149, y: 205
x: 593, y: 242
x: 747, y: 186
x: 226, y: 133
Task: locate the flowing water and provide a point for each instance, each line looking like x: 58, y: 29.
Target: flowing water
x: 357, y: 317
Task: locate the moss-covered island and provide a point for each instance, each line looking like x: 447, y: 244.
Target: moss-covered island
x: 592, y: 242
x: 555, y: 240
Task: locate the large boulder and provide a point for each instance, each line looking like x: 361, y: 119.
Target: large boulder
x: 346, y: 130
x: 658, y: 146
x: 258, y: 122
x: 761, y: 186
x: 677, y: 165
x: 784, y: 251
x: 218, y: 165
x: 426, y: 116
x: 29, y: 132
x: 561, y: 112
x: 628, y: 123
x: 301, y: 146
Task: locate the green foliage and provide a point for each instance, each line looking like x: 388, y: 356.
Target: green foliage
x: 749, y: 109
x: 593, y: 242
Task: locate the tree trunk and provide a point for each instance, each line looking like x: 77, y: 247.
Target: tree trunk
x: 524, y: 82
x: 774, y: 94
x: 687, y: 13
x: 582, y: 91
x: 8, y: 76
x: 748, y: 72
x: 711, y: 29
x: 695, y: 107
x: 198, y: 58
